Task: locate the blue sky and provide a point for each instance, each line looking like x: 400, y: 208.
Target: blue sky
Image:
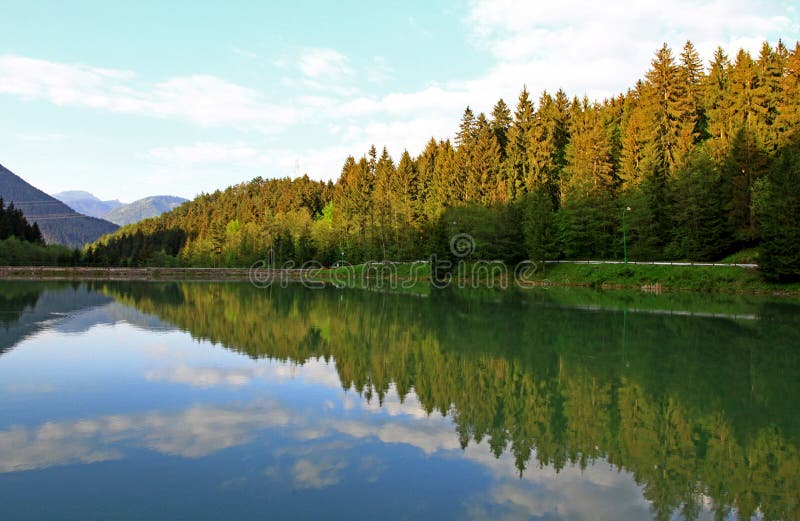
x: 128, y: 99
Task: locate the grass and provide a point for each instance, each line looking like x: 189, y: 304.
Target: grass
x: 644, y: 276
x: 414, y: 278
x: 748, y: 256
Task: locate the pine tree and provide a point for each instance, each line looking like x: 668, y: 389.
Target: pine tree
x: 408, y: 207
x: 778, y: 211
x: 692, y: 75
x: 718, y: 106
x: 500, y: 124
x: 384, y: 202
x: 467, y: 130
x: 674, y: 117
x: 517, y: 166
x: 548, y: 138
x: 484, y: 166
x: 634, y: 127
x: 770, y: 70
x: 587, y: 217
x: 788, y: 118
x: 699, y: 193
x: 589, y: 170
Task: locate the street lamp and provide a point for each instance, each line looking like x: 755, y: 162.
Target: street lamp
x: 624, y: 241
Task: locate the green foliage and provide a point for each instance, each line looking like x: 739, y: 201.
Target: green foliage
x: 14, y: 224
x: 699, y: 193
x: 778, y: 211
x: 16, y: 252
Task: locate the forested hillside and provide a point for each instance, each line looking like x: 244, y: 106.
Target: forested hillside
x: 693, y: 162
x: 22, y: 243
x: 58, y: 222
x: 144, y: 208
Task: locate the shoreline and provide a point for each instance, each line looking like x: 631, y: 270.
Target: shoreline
x: 116, y: 273
x: 572, y: 279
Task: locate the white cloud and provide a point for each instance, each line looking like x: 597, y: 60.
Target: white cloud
x: 602, y: 48
x: 321, y: 63
x: 206, y: 376
x: 202, y: 99
x: 192, y: 433
x: 315, y: 371
x: 317, y: 473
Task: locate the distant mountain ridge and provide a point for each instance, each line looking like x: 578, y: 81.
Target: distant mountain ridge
x: 143, y: 209
x: 117, y: 212
x: 86, y: 203
x: 58, y: 222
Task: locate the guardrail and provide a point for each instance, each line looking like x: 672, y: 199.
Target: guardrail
x: 656, y: 263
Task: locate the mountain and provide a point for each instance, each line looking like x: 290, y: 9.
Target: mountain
x: 86, y: 203
x: 115, y: 211
x: 58, y: 222
x: 143, y: 209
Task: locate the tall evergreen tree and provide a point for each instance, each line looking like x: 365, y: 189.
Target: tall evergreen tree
x: 500, y: 124
x: 517, y: 163
x: 778, y: 210
x: 718, y: 105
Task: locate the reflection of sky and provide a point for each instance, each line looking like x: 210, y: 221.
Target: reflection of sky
x: 152, y: 410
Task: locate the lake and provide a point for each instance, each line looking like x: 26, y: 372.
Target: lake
x: 223, y: 401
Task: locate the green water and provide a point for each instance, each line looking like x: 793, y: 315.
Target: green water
x: 204, y: 401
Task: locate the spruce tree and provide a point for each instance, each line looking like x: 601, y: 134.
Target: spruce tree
x: 500, y: 124
x: 778, y: 211
x: 517, y: 165
x: 718, y: 105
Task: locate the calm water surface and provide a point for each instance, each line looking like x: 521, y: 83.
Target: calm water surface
x: 222, y: 401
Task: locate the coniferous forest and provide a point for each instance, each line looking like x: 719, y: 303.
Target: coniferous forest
x: 696, y: 161
x: 14, y: 224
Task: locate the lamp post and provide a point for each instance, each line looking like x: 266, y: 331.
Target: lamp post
x: 624, y: 239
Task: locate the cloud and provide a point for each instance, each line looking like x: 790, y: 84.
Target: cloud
x: 314, y: 371
x: 322, y: 63
x: 201, y: 99
x: 192, y: 433
x: 206, y: 376
x: 602, y: 48
x: 317, y: 473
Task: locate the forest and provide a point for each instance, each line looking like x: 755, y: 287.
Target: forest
x: 14, y: 224
x: 694, y: 162
x: 22, y: 242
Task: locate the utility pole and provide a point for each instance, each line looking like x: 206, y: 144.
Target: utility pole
x: 624, y: 239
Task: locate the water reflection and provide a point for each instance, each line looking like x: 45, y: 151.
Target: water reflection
x: 606, y: 405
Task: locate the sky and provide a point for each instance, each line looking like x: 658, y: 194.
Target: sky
x: 131, y: 99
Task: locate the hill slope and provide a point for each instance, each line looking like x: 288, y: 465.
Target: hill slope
x: 58, y: 222
x: 86, y: 203
x: 143, y: 209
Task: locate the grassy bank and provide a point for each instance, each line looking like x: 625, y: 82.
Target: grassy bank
x: 651, y: 277
x: 415, y: 278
